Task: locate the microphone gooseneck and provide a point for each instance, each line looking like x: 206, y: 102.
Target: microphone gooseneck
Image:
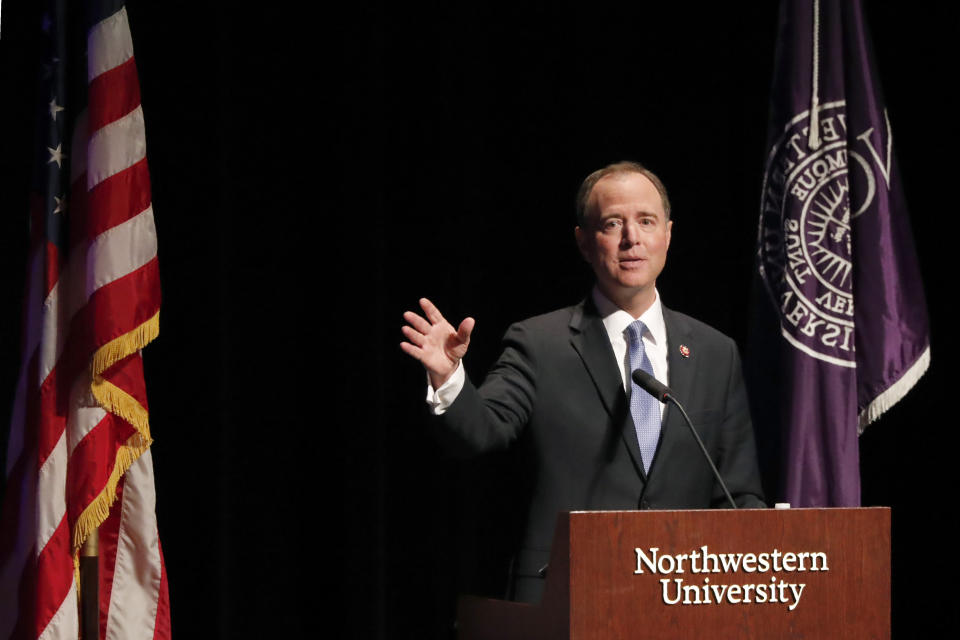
x: 663, y: 393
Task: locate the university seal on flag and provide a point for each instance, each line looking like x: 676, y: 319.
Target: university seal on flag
x: 814, y: 188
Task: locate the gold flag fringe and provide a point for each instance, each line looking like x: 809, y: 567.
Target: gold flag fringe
x: 118, y: 402
x: 98, y: 510
x: 76, y: 576
x: 122, y: 346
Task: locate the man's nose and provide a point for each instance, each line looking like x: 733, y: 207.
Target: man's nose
x: 631, y: 234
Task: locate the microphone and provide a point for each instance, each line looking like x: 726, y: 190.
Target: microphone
x: 652, y: 386
x: 663, y: 393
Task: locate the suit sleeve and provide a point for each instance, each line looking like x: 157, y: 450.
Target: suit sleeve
x: 738, y: 453
x: 492, y: 416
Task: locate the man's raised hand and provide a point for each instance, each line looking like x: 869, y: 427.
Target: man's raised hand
x: 434, y: 342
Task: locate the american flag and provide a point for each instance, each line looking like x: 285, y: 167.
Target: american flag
x: 78, y: 456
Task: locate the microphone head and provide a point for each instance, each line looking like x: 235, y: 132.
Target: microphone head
x: 651, y: 385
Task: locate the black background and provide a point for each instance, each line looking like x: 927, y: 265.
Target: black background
x: 316, y: 171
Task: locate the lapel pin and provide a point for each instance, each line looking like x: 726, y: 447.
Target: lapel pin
x: 685, y: 351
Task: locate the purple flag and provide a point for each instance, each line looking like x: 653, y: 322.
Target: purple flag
x: 836, y: 255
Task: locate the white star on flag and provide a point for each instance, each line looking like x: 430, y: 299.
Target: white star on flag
x: 56, y: 155
x: 54, y: 108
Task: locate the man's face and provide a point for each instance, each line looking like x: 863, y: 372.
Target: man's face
x: 625, y: 238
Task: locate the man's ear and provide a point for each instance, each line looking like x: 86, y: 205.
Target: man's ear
x: 669, y: 230
x: 582, y: 242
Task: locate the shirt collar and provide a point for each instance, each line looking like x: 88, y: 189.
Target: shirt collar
x: 616, y: 320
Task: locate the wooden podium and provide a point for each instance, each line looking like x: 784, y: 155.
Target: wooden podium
x: 753, y: 573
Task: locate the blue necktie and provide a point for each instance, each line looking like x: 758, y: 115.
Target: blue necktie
x: 644, y: 408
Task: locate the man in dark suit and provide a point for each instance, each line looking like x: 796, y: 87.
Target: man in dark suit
x: 595, y: 440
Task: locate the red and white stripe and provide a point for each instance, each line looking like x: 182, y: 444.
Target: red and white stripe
x: 64, y: 443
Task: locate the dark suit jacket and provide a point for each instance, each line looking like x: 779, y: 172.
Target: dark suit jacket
x: 558, y: 378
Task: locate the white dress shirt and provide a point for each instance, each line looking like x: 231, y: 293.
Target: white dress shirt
x: 616, y: 321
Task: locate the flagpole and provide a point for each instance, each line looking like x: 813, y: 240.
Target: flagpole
x: 90, y: 588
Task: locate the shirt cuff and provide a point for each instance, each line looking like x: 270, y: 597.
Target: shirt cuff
x: 440, y: 399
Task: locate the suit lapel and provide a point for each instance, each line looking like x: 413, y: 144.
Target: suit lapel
x: 680, y: 368
x: 680, y: 374
x: 591, y: 342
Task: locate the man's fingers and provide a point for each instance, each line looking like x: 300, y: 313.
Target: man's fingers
x: 465, y: 329
x: 413, y: 335
x: 417, y: 322
x: 433, y: 314
x: 411, y: 350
